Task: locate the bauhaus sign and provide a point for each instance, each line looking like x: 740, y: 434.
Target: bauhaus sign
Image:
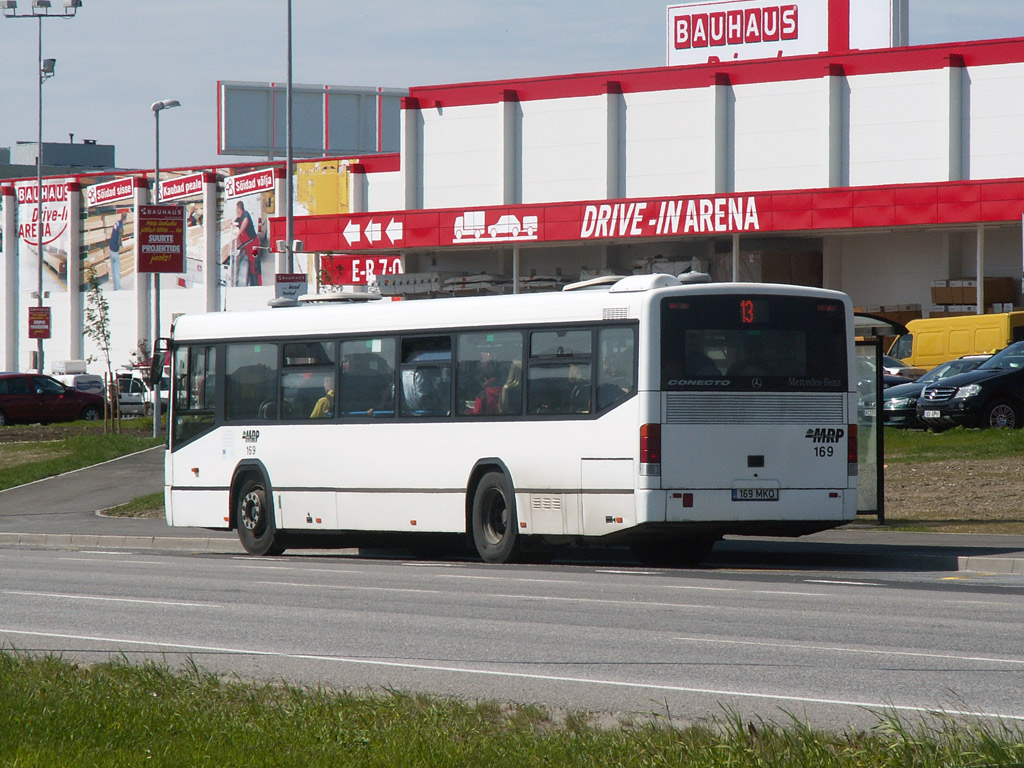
x: 161, y: 236
x: 726, y: 30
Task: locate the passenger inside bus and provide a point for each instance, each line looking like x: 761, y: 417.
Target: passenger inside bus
x: 324, y: 408
x: 511, y: 399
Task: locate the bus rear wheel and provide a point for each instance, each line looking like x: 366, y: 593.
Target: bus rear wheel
x: 255, y: 518
x: 495, y: 527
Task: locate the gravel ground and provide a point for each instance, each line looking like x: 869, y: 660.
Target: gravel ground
x: 977, y: 496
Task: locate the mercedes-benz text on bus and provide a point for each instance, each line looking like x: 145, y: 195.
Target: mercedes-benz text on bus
x: 650, y: 413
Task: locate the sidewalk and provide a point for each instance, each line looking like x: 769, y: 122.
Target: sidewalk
x: 60, y: 513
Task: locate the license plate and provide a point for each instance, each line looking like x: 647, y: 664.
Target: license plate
x: 755, y: 494
x: 933, y: 414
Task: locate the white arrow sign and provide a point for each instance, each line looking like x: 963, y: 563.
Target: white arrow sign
x: 373, y: 233
x: 352, y: 232
x: 395, y: 231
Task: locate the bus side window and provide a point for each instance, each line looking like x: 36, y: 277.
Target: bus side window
x: 490, y: 365
x: 307, y: 383
x: 194, y: 382
x: 560, y: 372
x: 617, y: 360
x: 367, y: 385
x: 250, y: 382
x: 426, y: 376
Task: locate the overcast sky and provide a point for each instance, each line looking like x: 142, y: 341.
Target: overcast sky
x: 118, y: 56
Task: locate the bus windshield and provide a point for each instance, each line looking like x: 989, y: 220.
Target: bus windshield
x: 753, y: 343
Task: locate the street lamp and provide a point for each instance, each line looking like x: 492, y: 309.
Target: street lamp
x: 41, y: 9
x: 157, y: 107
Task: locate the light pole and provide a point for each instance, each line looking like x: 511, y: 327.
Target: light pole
x: 289, y: 228
x: 41, y: 9
x: 157, y: 107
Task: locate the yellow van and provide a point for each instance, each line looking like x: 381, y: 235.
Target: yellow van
x: 936, y: 340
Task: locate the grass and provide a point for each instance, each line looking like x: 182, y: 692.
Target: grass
x: 911, y: 446
x: 115, y: 714
x: 151, y: 505
x: 22, y: 463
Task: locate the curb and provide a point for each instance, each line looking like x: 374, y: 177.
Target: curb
x: 991, y: 564
x: 88, y: 540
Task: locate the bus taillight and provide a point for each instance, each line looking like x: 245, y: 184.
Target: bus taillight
x: 650, y: 449
x: 852, y: 454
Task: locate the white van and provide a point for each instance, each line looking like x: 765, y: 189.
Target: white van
x: 84, y: 382
x: 134, y: 395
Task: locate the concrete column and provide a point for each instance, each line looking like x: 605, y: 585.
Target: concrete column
x: 735, y: 258
x: 957, y: 94
x: 76, y: 311
x: 358, y: 182
x: 515, y: 268
x: 280, y: 194
x: 11, y: 280
x: 211, y: 242
x: 511, y: 156
x: 838, y: 127
x: 725, y: 129
x: 980, y: 269
x: 832, y: 263
x: 143, y: 283
x: 412, y: 153
x: 615, y: 111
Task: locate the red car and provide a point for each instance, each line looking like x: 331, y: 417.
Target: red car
x: 31, y: 398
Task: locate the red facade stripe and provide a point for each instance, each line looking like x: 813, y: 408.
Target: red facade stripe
x: 917, y: 58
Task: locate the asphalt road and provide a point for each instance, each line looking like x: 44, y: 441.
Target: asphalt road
x: 828, y: 647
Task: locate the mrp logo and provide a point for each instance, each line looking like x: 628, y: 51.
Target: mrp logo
x: 250, y: 435
x: 736, y: 27
x: 829, y: 436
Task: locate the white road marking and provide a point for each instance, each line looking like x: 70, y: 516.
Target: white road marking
x: 540, y: 598
x: 120, y: 562
x: 779, y: 592
x: 841, y: 649
x: 518, y: 675
x: 842, y: 583
x: 99, y: 598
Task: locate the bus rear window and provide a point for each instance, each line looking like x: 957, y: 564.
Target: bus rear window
x: 753, y: 343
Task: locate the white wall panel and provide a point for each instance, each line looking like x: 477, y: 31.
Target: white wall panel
x: 462, y: 156
x: 670, y: 142
x: 899, y: 128
x: 899, y: 267
x: 884, y: 268
x: 782, y: 138
x: 384, y: 191
x: 997, y: 121
x: 564, y: 154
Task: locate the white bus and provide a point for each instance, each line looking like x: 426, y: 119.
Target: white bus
x: 647, y: 413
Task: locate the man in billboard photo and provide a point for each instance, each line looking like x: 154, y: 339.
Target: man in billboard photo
x: 116, y: 236
x: 247, y: 250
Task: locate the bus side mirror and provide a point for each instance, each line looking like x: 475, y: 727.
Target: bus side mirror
x: 156, y: 365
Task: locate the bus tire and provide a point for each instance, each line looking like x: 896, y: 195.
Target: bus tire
x: 494, y: 521
x: 673, y: 553
x: 255, y: 519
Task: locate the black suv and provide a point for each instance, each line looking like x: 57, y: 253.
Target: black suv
x: 31, y: 398
x: 990, y: 396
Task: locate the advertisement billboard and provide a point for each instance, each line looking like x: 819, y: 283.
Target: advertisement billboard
x: 729, y: 30
x: 161, y: 239
x: 55, y: 233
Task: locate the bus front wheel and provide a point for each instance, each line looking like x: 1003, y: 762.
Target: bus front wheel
x: 256, y: 528
x: 495, y: 527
